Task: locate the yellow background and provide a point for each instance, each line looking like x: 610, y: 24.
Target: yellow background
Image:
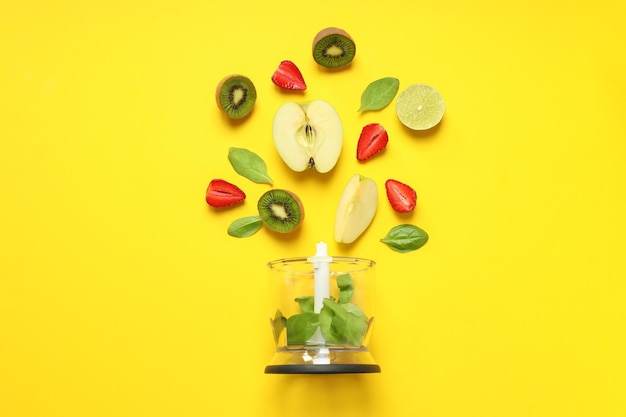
x: 122, y: 295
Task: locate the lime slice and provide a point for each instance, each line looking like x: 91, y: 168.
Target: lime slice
x: 420, y: 107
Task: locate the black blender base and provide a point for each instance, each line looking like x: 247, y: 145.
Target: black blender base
x: 323, y: 369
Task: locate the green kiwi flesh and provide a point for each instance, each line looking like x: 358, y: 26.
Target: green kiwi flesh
x: 281, y: 210
x: 235, y: 96
x: 333, y: 48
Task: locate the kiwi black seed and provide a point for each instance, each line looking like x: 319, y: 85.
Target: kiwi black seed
x: 235, y: 96
x: 281, y: 210
x: 333, y: 48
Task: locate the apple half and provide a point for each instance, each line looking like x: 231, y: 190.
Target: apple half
x: 308, y: 135
x: 356, y: 208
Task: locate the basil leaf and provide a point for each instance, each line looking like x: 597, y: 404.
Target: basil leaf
x: 379, y: 93
x: 346, y: 288
x: 307, y: 303
x: 246, y: 226
x: 405, y: 238
x: 342, y: 324
x: 250, y: 165
x: 278, y: 324
x: 301, y: 327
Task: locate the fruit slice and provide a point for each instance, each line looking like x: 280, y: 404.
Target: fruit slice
x: 372, y: 140
x: 356, y: 208
x: 221, y: 193
x: 281, y: 210
x: 420, y: 107
x: 333, y: 48
x: 402, y: 197
x: 235, y: 96
x: 308, y: 135
x: 288, y: 77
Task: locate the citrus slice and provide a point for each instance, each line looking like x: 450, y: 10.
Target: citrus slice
x: 420, y: 107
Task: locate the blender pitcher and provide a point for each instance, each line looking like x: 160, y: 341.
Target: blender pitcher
x: 321, y: 314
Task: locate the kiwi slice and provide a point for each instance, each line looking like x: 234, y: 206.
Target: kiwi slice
x: 281, y: 210
x: 235, y: 96
x: 333, y: 48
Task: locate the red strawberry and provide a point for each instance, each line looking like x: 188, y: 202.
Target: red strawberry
x: 402, y: 197
x: 288, y: 76
x: 373, y: 139
x: 221, y: 193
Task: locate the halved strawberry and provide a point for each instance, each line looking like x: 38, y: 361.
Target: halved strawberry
x: 402, y: 197
x: 373, y: 139
x: 222, y: 193
x: 288, y: 76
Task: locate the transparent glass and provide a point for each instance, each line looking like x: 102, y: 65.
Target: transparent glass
x: 324, y: 333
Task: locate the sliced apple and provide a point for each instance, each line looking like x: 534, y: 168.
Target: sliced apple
x: 356, y: 208
x: 308, y: 135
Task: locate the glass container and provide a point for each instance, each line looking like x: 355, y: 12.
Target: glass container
x: 321, y: 315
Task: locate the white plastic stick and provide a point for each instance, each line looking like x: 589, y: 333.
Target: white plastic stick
x: 321, y: 270
x: 321, y: 260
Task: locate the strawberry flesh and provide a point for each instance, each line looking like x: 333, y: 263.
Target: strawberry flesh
x: 288, y: 77
x: 402, y: 197
x: 373, y: 139
x: 221, y: 193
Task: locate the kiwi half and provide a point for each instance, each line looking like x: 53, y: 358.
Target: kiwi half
x: 235, y: 96
x: 281, y: 210
x: 333, y: 48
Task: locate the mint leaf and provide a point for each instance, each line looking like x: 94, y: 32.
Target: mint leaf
x: 278, y: 324
x: 379, y: 94
x: 301, y: 327
x: 346, y: 288
x: 306, y: 302
x: 250, y: 165
x: 342, y: 324
x: 405, y: 238
x: 246, y: 226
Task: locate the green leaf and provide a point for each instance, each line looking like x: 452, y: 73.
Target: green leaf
x: 301, y: 327
x: 405, y: 238
x: 346, y: 288
x: 250, y: 165
x: 246, y: 226
x: 379, y: 94
x: 342, y: 324
x: 306, y: 302
x: 278, y: 324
